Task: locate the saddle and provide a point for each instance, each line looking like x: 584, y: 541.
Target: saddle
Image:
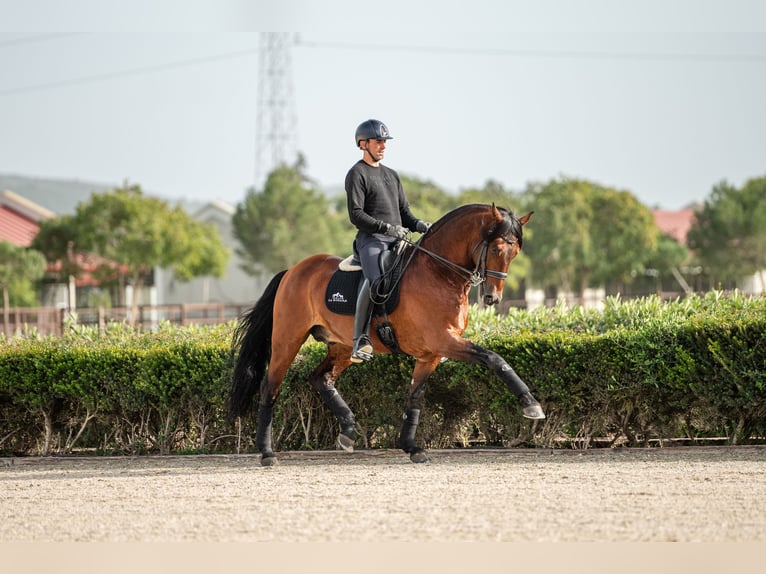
x: 343, y: 287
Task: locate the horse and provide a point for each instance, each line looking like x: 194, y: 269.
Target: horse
x: 472, y: 245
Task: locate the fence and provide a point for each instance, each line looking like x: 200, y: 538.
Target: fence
x: 51, y: 320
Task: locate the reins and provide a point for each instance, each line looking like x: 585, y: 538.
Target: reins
x: 474, y: 278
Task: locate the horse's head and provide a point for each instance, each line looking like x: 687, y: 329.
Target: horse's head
x: 502, y: 241
x: 476, y: 242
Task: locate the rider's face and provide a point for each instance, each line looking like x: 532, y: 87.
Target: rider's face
x: 376, y: 149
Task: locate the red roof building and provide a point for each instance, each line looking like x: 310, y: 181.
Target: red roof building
x: 20, y: 223
x: 676, y: 224
x: 20, y: 219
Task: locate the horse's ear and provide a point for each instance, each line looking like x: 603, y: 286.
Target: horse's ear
x: 496, y: 213
x: 524, y: 218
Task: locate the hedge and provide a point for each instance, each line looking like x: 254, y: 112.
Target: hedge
x: 631, y: 373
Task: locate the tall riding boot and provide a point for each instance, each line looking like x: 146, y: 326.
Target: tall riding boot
x: 362, y: 350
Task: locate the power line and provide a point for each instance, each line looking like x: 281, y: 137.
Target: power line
x: 557, y: 54
x: 436, y: 50
x: 129, y: 72
x: 38, y: 38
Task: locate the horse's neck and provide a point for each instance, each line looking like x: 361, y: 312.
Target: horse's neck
x: 456, y: 245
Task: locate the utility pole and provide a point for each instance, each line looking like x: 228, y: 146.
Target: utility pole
x: 275, y: 119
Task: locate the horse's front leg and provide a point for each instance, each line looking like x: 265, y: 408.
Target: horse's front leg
x: 423, y: 369
x: 530, y: 407
x: 472, y: 353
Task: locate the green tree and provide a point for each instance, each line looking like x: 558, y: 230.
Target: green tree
x: 287, y: 221
x: 125, y: 234
x: 427, y: 200
x: 624, y: 235
x: 20, y: 267
x: 728, y: 236
x: 587, y: 235
x: 492, y: 192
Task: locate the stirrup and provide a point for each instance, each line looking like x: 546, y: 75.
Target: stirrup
x: 362, y: 350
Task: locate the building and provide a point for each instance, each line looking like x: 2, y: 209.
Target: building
x: 234, y: 287
x: 20, y: 219
x: 20, y: 222
x: 677, y: 223
x: 674, y: 223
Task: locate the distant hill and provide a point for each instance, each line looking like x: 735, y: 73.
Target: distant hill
x: 61, y: 196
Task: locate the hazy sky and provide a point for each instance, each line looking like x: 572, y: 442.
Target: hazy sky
x: 664, y: 99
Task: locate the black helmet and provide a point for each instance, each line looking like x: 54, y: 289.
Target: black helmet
x: 371, y: 130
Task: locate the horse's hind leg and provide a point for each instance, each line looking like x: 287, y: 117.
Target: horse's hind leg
x: 423, y: 369
x: 263, y: 432
x: 281, y: 359
x: 322, y: 380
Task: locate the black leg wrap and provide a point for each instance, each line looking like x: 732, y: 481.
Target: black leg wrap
x: 512, y: 380
x: 340, y: 409
x: 263, y: 434
x: 409, y: 426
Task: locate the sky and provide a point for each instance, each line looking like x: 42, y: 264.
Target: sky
x: 662, y: 99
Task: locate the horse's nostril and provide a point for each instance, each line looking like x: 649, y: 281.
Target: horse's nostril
x: 490, y: 300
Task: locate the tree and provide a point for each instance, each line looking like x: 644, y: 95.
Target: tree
x: 126, y: 234
x: 20, y: 267
x: 492, y: 192
x: 287, y: 221
x: 427, y: 200
x: 728, y: 235
x: 586, y: 235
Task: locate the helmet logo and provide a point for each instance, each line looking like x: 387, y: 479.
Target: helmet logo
x: 383, y: 131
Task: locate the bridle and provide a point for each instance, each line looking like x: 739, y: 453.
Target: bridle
x: 475, y: 278
x: 480, y: 272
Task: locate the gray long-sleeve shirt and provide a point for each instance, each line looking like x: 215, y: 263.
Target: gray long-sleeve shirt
x: 375, y: 197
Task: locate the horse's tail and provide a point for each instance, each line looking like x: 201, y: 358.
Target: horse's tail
x: 252, y: 346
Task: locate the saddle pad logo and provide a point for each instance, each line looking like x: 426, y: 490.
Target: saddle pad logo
x: 337, y: 297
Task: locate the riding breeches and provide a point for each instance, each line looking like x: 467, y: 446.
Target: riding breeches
x: 368, y: 248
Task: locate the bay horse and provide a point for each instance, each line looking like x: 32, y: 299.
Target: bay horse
x: 469, y: 246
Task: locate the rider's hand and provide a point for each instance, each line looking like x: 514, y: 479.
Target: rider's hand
x: 396, y: 231
x: 422, y: 226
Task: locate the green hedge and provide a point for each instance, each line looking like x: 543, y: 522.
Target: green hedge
x: 633, y: 372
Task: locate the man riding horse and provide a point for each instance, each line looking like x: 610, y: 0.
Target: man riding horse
x: 379, y: 210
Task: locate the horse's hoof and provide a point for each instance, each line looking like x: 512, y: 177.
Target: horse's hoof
x: 345, y: 443
x: 533, y: 412
x: 530, y: 408
x: 269, y: 460
x: 419, y: 456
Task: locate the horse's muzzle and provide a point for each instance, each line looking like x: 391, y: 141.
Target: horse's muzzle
x: 491, y: 300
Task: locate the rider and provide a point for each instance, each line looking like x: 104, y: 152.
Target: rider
x: 379, y: 210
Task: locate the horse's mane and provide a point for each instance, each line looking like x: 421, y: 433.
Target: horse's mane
x: 509, y: 227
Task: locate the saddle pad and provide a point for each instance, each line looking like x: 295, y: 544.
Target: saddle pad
x: 342, y: 290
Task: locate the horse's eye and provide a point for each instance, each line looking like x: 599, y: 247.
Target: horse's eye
x: 495, y: 250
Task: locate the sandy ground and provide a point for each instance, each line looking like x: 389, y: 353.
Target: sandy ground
x: 706, y: 494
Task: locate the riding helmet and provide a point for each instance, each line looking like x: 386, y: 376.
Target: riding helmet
x: 372, y: 130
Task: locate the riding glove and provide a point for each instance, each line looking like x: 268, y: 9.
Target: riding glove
x: 422, y: 226
x: 396, y: 231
